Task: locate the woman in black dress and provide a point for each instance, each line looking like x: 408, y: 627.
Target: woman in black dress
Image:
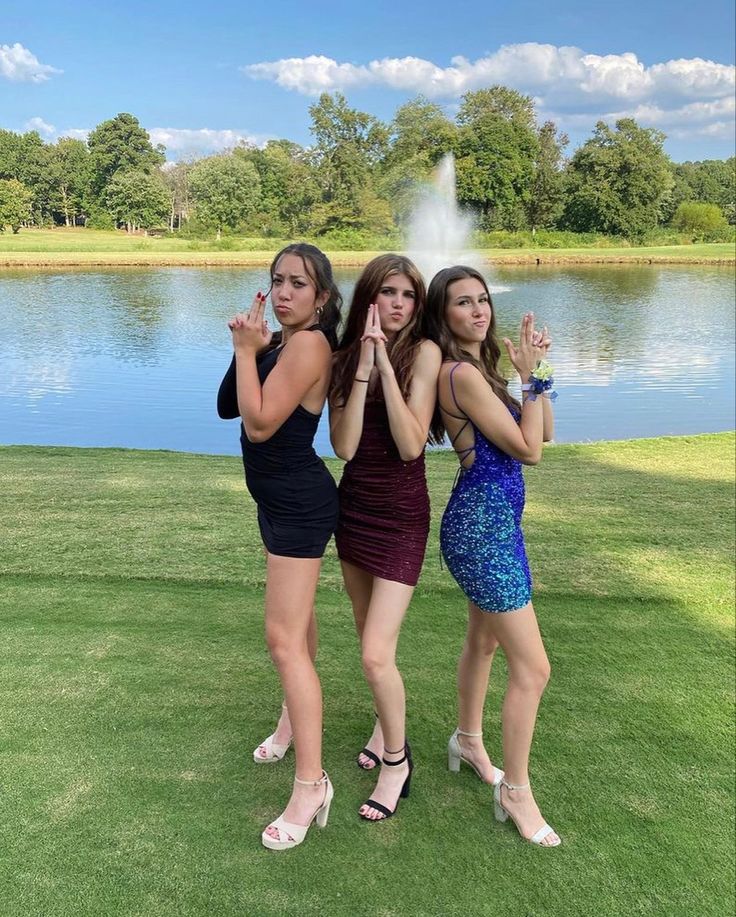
x: 277, y: 385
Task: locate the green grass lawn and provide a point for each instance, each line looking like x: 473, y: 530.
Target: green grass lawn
x: 135, y: 684
x: 97, y: 247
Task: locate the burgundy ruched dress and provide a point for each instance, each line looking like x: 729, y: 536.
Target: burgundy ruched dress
x: 384, y: 505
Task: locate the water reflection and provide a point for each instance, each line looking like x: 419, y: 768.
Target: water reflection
x: 133, y: 357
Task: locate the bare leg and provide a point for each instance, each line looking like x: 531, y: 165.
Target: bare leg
x: 386, y: 611
x: 359, y: 587
x: 284, y: 732
x: 473, y: 672
x: 519, y: 637
x: 290, y: 587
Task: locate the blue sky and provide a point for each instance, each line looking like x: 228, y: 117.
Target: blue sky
x: 201, y: 76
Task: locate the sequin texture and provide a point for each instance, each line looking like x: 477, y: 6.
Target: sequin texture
x: 480, y: 535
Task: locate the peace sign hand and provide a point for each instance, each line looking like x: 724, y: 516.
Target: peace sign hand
x: 250, y: 331
x: 530, y: 349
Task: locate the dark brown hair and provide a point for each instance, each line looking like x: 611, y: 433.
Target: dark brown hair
x: 436, y: 329
x: 319, y: 270
x: 402, y: 350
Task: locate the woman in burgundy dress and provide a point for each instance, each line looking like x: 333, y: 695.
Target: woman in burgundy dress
x: 381, y: 401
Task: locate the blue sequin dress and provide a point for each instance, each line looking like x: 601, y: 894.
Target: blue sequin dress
x: 480, y: 535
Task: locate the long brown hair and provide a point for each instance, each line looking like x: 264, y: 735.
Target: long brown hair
x: 319, y: 270
x: 402, y: 350
x: 437, y: 330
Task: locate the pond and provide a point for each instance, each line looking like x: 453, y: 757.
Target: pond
x: 133, y: 357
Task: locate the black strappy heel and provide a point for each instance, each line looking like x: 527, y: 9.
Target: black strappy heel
x: 368, y: 754
x: 386, y: 812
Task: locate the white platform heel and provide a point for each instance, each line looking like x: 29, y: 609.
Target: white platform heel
x: 292, y: 835
x: 270, y: 752
x: 455, y: 756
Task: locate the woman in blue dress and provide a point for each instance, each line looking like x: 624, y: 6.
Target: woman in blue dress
x: 481, y: 539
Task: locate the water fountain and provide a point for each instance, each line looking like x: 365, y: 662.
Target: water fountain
x: 439, y: 232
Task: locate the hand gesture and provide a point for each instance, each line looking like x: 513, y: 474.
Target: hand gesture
x: 371, y: 339
x: 542, y: 340
x: 531, y: 347
x: 250, y: 330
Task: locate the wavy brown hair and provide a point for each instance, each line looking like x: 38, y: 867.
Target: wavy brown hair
x: 319, y: 270
x: 402, y: 350
x: 436, y: 329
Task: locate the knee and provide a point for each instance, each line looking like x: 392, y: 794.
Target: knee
x: 375, y: 665
x: 534, y: 678
x: 282, y: 646
x: 482, y: 645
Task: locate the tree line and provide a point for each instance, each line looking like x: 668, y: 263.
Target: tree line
x: 360, y: 176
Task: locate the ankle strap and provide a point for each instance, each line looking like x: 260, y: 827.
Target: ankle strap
x: 462, y: 732
x: 514, y: 786
x: 322, y: 779
x: 401, y: 760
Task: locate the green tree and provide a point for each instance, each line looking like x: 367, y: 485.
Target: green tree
x: 72, y: 173
x: 546, y: 201
x: 26, y: 158
x: 700, y: 220
x: 420, y: 134
x: 349, y: 145
x: 226, y: 191
x: 619, y: 181
x: 289, y: 187
x: 137, y: 199
x: 712, y: 181
x: 119, y: 145
x: 15, y: 204
x: 176, y: 180
x: 497, y: 151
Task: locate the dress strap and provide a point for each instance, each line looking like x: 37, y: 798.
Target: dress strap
x: 462, y: 454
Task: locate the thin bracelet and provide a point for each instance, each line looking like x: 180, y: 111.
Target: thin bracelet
x: 356, y: 379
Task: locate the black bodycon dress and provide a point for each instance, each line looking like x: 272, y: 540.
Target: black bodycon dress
x: 295, y: 494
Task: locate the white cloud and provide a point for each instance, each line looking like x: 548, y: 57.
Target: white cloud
x: 76, y: 133
x: 38, y: 124
x: 19, y: 65
x: 695, y: 94
x: 546, y: 70
x: 182, y: 143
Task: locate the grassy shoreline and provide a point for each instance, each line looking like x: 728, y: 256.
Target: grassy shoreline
x: 135, y: 684
x: 90, y: 248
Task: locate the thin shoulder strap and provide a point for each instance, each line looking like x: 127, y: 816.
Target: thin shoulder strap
x: 462, y: 415
x: 462, y: 454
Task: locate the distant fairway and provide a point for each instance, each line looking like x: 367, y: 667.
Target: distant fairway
x: 89, y: 247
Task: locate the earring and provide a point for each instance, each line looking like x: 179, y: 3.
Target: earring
x: 319, y: 311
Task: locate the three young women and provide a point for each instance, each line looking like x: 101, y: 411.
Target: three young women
x: 277, y: 385
x: 381, y: 402
x: 382, y: 398
x: 481, y: 539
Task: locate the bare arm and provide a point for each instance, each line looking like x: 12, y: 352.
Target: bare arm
x: 409, y: 420
x: 478, y: 401
x: 304, y: 361
x: 346, y: 421
x: 522, y: 441
x: 548, y: 421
